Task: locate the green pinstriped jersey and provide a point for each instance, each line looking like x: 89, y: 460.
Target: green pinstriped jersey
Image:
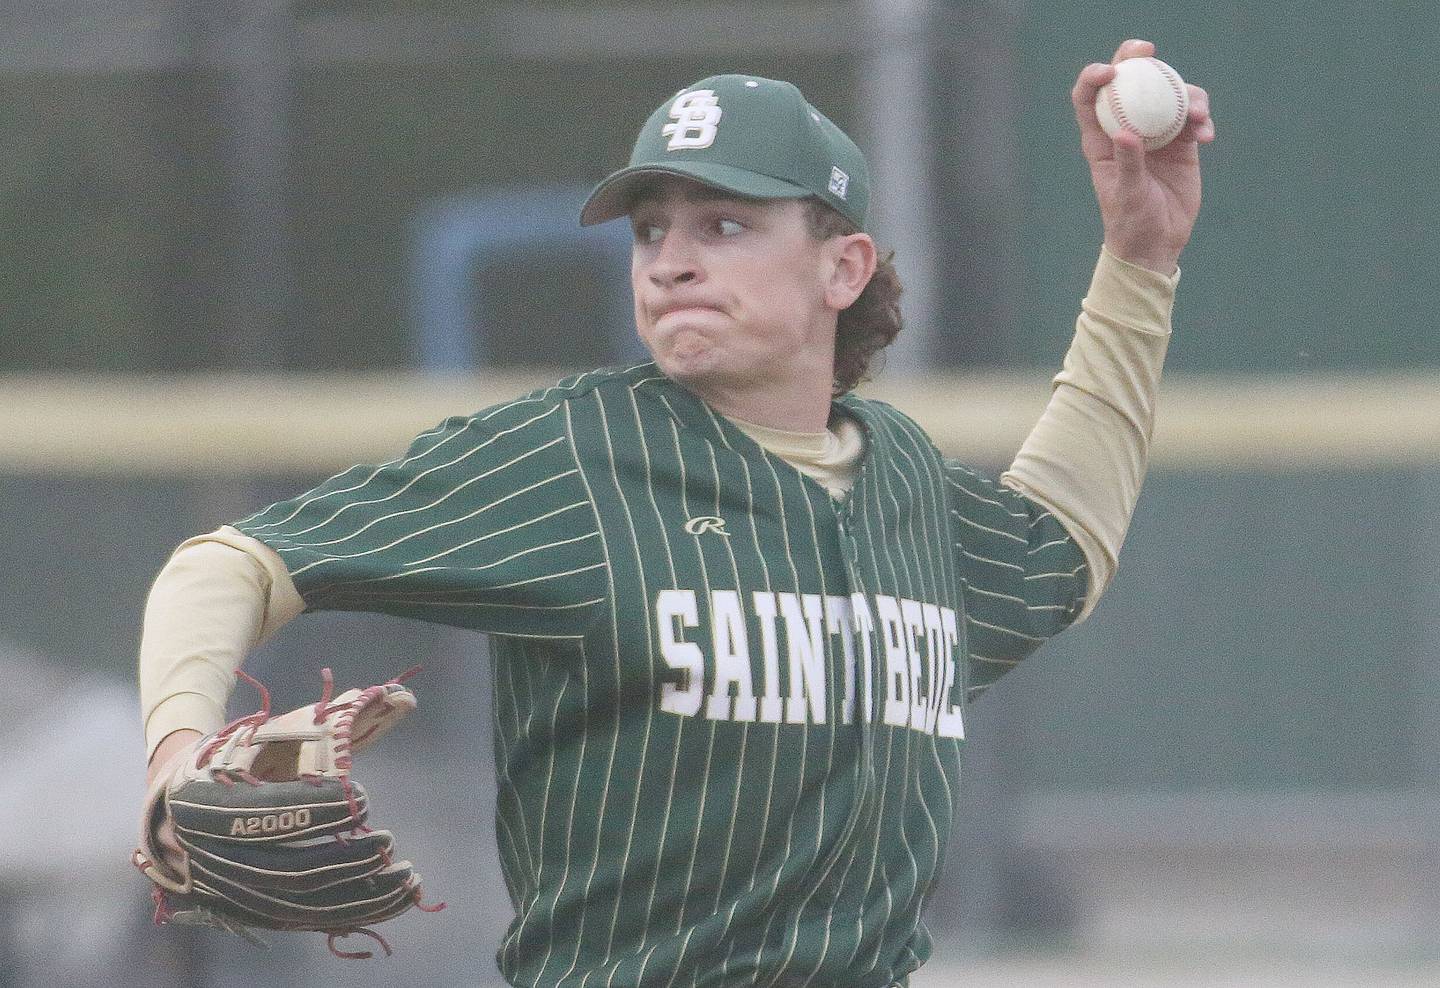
x: 728, y: 708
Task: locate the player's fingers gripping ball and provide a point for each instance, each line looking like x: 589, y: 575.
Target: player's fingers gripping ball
x: 1146, y: 97
x: 273, y: 827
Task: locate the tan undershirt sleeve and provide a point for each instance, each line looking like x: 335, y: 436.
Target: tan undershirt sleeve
x: 219, y: 596
x: 1086, y: 457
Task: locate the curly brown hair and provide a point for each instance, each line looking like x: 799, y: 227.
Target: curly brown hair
x: 873, y: 321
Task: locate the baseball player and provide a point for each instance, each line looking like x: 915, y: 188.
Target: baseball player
x: 737, y: 612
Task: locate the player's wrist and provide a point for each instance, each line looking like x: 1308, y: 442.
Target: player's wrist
x: 1162, y: 261
x: 168, y: 747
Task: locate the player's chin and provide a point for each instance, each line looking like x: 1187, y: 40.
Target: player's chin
x: 688, y: 356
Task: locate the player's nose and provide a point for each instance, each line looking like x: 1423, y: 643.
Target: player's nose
x: 677, y: 262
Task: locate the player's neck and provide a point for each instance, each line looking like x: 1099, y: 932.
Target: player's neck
x: 807, y: 420
x: 799, y: 408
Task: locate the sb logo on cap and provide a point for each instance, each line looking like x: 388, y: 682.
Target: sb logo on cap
x: 696, y: 115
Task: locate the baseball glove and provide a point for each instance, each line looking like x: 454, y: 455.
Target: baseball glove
x: 273, y: 828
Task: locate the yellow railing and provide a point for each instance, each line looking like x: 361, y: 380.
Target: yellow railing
x: 243, y: 424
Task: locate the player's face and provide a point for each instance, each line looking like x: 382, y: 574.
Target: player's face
x: 730, y: 293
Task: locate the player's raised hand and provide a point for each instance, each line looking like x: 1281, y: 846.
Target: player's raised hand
x: 1148, y: 200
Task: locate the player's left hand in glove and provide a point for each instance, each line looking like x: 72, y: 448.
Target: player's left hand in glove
x: 272, y: 828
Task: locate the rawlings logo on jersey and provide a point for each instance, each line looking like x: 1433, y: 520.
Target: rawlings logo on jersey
x: 892, y: 652
x: 696, y: 115
x: 706, y: 524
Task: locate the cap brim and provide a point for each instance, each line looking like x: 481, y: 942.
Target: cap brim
x: 612, y: 197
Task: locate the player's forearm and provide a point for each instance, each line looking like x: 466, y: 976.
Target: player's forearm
x: 1086, y: 458
x: 215, y: 600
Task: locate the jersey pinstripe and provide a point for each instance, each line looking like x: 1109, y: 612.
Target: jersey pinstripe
x: 728, y: 709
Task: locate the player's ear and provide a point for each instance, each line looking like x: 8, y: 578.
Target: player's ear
x: 851, y: 262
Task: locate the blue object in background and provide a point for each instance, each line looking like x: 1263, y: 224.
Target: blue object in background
x: 456, y: 237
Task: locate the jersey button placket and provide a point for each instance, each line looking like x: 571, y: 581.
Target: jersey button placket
x: 842, y: 525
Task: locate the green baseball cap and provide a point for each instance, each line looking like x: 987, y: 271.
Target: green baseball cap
x: 744, y: 134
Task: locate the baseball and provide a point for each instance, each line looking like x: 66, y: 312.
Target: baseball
x: 1146, y: 97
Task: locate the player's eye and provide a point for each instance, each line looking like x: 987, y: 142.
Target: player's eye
x: 728, y: 227
x: 648, y: 233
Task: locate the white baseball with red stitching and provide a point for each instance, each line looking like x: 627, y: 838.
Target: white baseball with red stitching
x: 1146, y: 97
